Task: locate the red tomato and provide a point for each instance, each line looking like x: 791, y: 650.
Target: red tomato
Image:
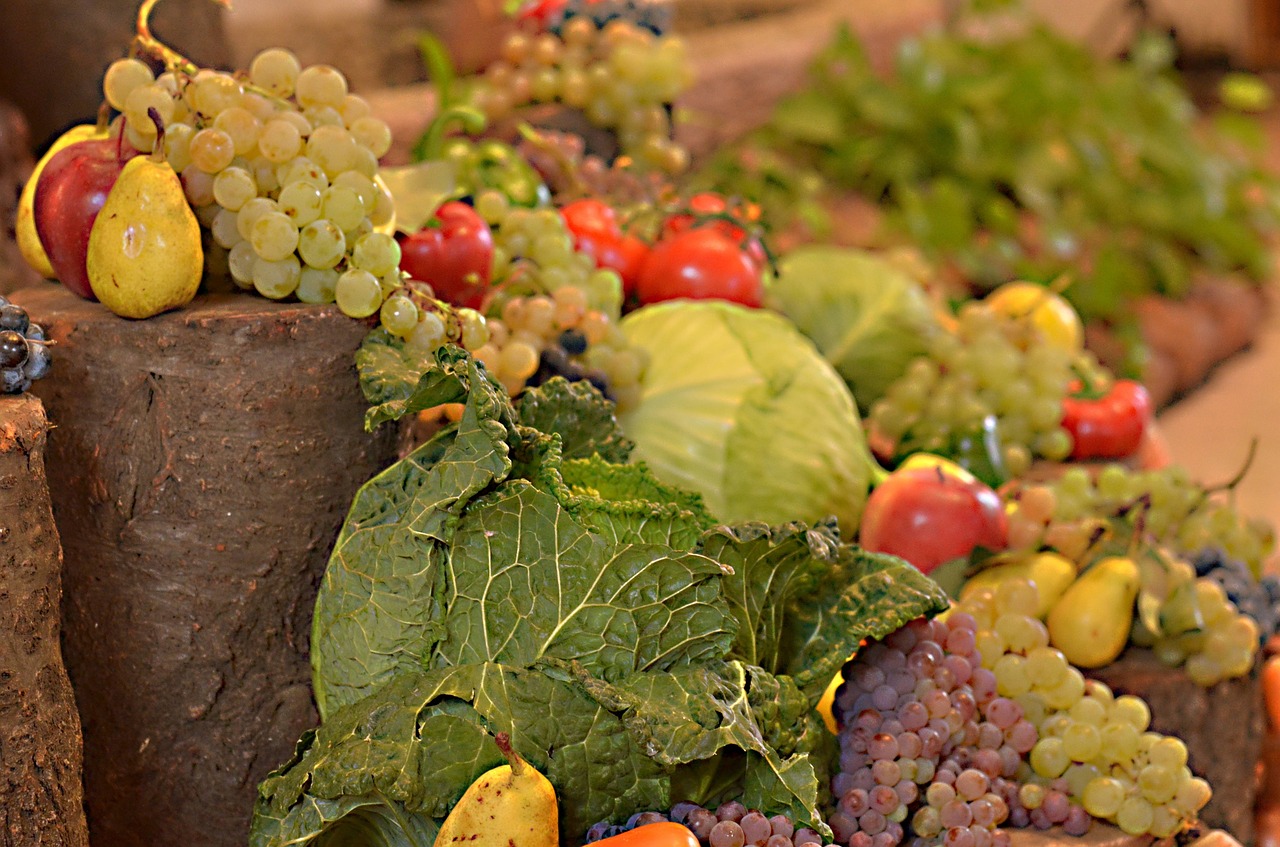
x: 454, y: 257
x: 1110, y: 426
x: 700, y: 264
x: 596, y: 232
x: 709, y: 203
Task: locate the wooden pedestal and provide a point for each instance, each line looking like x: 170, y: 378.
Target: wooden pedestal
x: 41, y: 799
x: 200, y: 467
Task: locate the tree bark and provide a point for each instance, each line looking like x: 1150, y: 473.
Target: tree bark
x: 201, y: 465
x: 41, y: 798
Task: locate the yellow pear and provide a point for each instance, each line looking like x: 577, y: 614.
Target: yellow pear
x: 511, y: 805
x: 144, y: 249
x: 1091, y: 621
x: 25, y: 223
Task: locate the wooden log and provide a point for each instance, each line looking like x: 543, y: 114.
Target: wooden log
x: 200, y: 468
x: 41, y: 796
x: 1222, y: 726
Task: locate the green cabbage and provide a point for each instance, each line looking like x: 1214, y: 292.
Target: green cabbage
x: 869, y: 318
x: 737, y: 405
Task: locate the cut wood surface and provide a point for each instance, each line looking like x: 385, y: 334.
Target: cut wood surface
x: 1223, y: 728
x: 41, y: 798
x: 200, y: 467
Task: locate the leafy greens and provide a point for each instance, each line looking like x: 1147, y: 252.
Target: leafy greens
x: 512, y: 574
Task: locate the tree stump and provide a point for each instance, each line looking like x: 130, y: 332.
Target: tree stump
x: 41, y: 798
x: 201, y: 464
x: 1222, y: 726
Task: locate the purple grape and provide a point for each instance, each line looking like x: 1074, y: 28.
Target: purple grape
x: 727, y: 833
x: 731, y: 811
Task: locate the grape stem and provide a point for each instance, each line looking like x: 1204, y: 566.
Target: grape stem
x: 577, y: 185
x: 157, y: 48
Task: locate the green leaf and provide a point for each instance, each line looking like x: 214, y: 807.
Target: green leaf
x: 865, y: 595
x: 691, y: 714
x: 419, y: 190
x: 528, y: 582
x: 345, y: 822
x: 378, y: 605
x: 580, y: 415
x: 770, y: 568
x: 420, y: 740
x: 809, y: 117
x: 401, y: 382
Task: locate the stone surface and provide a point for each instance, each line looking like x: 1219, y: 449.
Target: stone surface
x: 200, y: 467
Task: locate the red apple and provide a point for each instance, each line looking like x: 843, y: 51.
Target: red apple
x: 73, y: 186
x: 928, y: 516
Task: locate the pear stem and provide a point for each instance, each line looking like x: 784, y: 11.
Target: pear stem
x: 518, y: 764
x: 157, y: 152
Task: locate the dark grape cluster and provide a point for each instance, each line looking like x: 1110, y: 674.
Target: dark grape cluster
x: 645, y: 14
x: 729, y: 825
x: 564, y: 359
x: 1257, y: 598
x: 24, y: 353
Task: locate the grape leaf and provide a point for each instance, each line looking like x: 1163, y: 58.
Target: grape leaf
x: 864, y: 595
x: 580, y: 415
x: 526, y: 582
x: 420, y: 740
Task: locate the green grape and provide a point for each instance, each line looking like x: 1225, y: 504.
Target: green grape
x: 1131, y: 710
x: 302, y: 169
x: 275, y: 70
x: 428, y: 335
x: 240, y: 261
x: 1102, y: 797
x: 320, y: 85
x: 276, y: 279
x: 373, y: 134
x: 321, y: 244
x: 1119, y: 741
x: 123, y: 76
x: 211, y: 150
x: 1067, y: 692
x: 1082, y: 741
x: 362, y: 186
x: 1020, y: 632
x: 224, y: 229
x: 197, y: 185
x: 301, y: 201
x: 1192, y: 795
x: 342, y: 206
x: 1049, y: 758
x: 333, y: 149
x: 210, y: 92
x: 475, y: 334
x: 377, y: 253
x: 1158, y: 784
x: 241, y: 127
x: 274, y: 236
x: 233, y: 187
x: 177, y: 145
x: 1017, y: 596
x: 280, y: 141
x: 1135, y: 816
x: 1165, y: 821
x: 317, y: 285
x: 1079, y: 775
x: 357, y: 293
x: 353, y: 108
x: 144, y: 98
x: 1089, y: 711
x: 399, y: 315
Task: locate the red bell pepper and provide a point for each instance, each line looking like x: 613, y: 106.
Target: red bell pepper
x: 1108, y: 424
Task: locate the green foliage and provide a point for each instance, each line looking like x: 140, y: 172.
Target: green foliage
x: 631, y: 650
x: 1027, y: 156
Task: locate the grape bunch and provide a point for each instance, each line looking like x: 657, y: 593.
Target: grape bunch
x: 729, y: 825
x: 280, y: 166
x: 24, y: 352
x: 619, y: 74
x: 990, y: 365
x: 646, y: 14
x: 554, y: 312
x: 1166, y: 507
x: 1257, y: 598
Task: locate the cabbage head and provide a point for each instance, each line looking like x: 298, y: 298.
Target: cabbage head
x: 868, y: 317
x: 737, y: 405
